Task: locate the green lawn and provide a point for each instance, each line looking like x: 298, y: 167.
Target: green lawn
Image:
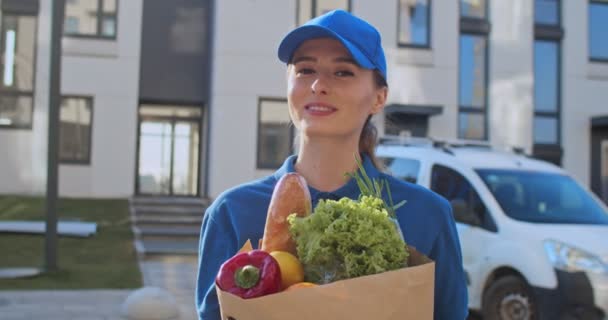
x: 105, y: 260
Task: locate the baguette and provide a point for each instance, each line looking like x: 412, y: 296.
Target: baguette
x: 290, y: 195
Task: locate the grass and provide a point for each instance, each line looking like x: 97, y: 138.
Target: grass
x: 105, y: 260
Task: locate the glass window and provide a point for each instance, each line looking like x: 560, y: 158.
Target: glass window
x: 598, y: 24
x: 471, y: 125
x: 543, y: 197
x: 18, y: 45
x: 15, y: 110
x: 546, y: 12
x: 466, y: 203
x: 75, y: 129
x: 308, y: 9
x: 402, y: 168
x: 473, y: 8
x: 275, y: 133
x: 545, y: 130
x: 472, y: 71
x: 546, y: 91
x: 91, y: 18
x: 414, y: 22
x: 18, y: 69
x: 546, y: 75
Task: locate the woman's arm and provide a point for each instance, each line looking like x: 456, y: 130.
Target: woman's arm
x: 217, y: 244
x: 451, y: 296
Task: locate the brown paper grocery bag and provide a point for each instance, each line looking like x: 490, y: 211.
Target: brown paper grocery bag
x: 402, y: 294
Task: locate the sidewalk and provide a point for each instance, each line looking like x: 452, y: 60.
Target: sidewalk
x: 177, y: 274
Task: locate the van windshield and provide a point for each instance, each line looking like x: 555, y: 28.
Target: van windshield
x: 543, y: 197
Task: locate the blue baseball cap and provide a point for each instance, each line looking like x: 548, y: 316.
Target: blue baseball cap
x: 359, y: 37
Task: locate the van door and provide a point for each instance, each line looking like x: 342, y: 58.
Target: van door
x: 473, y: 221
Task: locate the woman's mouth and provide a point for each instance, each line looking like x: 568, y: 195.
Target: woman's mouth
x: 319, y: 110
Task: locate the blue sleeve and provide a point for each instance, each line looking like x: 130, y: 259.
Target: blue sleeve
x: 451, y: 296
x: 215, y: 247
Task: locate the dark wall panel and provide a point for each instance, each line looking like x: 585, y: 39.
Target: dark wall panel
x: 174, y: 52
x: 25, y: 7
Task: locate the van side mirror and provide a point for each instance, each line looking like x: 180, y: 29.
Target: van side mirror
x: 462, y: 212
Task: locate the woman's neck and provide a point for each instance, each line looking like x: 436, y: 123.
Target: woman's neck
x: 325, y: 162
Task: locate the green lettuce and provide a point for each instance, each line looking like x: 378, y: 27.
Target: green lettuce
x: 348, y: 238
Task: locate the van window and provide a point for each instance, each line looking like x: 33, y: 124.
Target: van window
x: 543, y: 197
x: 402, y: 168
x: 466, y: 203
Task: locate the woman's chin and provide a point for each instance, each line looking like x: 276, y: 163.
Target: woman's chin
x: 327, y: 133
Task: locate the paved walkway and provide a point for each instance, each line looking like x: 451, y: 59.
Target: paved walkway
x: 177, y: 274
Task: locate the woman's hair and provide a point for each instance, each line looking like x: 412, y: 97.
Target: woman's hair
x: 369, y: 134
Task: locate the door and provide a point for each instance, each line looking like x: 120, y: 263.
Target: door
x: 168, y: 159
x: 476, y: 228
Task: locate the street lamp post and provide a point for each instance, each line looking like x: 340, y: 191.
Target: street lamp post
x: 58, y: 8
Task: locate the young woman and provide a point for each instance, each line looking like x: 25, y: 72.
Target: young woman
x: 336, y: 80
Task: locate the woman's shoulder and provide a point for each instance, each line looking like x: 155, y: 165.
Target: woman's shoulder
x: 252, y: 193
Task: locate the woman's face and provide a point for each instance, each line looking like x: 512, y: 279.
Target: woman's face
x: 329, y: 94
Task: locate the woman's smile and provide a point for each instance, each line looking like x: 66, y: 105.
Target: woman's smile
x: 319, y: 109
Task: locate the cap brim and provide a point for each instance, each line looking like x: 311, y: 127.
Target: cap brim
x: 295, y: 38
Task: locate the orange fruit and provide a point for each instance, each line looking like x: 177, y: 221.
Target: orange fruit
x: 301, y: 285
x: 291, y: 269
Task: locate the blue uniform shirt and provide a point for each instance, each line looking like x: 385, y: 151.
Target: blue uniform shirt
x: 239, y: 214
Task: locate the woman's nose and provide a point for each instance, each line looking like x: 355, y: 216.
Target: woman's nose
x: 319, y: 86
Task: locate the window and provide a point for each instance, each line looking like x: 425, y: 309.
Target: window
x: 473, y: 9
x: 467, y: 206
x: 308, y: 9
x: 402, y: 168
x: 546, y: 91
x: 414, y: 23
x: 546, y: 12
x: 18, y: 69
x: 598, y: 24
x: 91, y: 18
x: 547, y: 80
x: 473, y: 70
x: 76, y: 116
x: 542, y: 197
x: 275, y: 133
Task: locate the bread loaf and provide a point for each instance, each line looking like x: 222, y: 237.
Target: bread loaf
x: 290, y: 195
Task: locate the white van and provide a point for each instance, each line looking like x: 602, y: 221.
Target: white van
x: 534, y: 241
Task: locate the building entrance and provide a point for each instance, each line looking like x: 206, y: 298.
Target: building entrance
x: 169, y: 150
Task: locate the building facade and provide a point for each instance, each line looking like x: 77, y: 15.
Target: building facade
x: 188, y: 98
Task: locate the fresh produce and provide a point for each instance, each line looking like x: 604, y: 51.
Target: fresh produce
x: 250, y: 274
x: 290, y: 195
x: 350, y: 238
x: 346, y: 238
x: 291, y: 268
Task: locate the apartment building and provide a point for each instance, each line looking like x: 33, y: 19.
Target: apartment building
x: 188, y: 98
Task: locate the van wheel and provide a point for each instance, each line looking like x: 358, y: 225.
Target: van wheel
x: 509, y: 298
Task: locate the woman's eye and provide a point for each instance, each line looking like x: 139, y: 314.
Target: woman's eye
x: 344, y: 73
x: 305, y: 71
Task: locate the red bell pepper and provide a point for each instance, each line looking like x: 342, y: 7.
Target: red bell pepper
x: 250, y: 274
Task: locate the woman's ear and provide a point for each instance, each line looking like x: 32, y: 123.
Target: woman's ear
x: 380, y: 100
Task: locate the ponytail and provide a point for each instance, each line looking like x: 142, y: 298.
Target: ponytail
x: 368, y: 141
x: 369, y: 134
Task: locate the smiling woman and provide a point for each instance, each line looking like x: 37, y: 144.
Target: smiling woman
x: 336, y: 82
